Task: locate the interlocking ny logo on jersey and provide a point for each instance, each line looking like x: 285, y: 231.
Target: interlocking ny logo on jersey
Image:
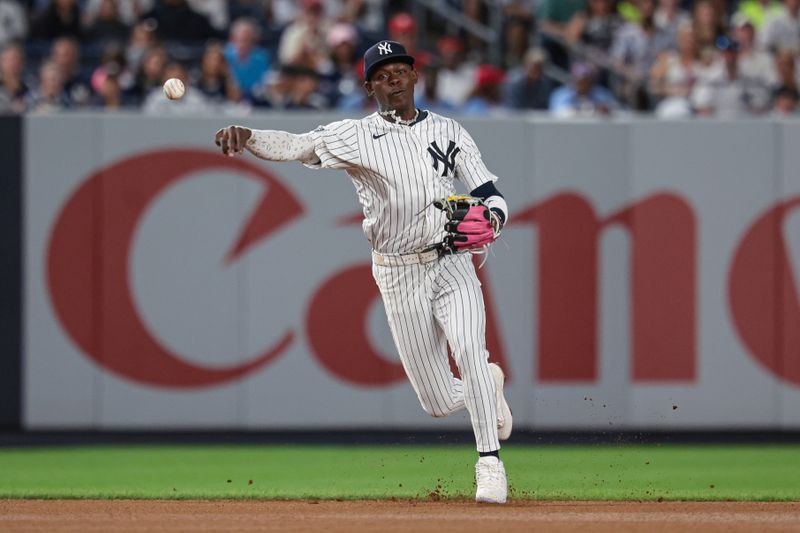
x: 384, y: 48
x: 448, y: 159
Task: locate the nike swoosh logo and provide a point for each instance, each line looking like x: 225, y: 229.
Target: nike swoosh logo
x: 379, y: 136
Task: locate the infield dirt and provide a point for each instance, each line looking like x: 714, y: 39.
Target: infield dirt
x: 353, y: 516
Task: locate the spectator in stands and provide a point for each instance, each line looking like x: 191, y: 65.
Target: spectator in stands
x: 675, y: 73
x: 635, y: 50
x: 108, y: 85
x: 143, y: 38
x: 786, y: 71
x: 294, y: 88
x: 784, y: 101
x: 60, y: 18
x: 303, y: 43
x: 475, y: 10
x: 305, y: 94
x: 403, y: 29
x: 177, y: 21
x: 627, y: 10
x: 129, y: 11
x: 358, y: 101
x: 281, y: 13
x: 524, y: 9
x: 782, y: 28
x: 113, y: 64
x: 66, y: 54
x: 427, y: 97
x: 367, y: 15
x: 725, y: 93
x: 553, y: 17
x: 13, y: 88
x: 520, y: 8
x: 215, y: 11
x: 110, y: 95
x: 49, y: 96
x: 106, y: 25
x: 754, y: 63
x: 455, y: 76
x: 515, y: 40
x: 527, y: 86
x: 707, y: 24
x: 758, y: 10
x: 248, y: 62
x: 669, y: 17
x: 214, y: 79
x: 487, y: 96
x: 638, y: 43
x: 594, y: 26
x: 724, y: 10
x: 583, y: 97
x: 274, y: 92
x: 149, y: 74
x: 339, y: 78
x: 13, y: 21
x: 518, y: 23
x: 252, y: 9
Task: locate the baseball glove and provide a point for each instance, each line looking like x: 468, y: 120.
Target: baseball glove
x: 470, y: 224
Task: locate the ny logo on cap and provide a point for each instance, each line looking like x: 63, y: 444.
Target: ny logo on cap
x: 384, y: 48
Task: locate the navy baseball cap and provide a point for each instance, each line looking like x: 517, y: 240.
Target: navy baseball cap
x: 384, y: 52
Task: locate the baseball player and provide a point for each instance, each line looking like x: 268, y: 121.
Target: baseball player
x: 404, y: 163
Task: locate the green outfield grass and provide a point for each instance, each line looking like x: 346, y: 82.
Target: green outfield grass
x: 735, y: 472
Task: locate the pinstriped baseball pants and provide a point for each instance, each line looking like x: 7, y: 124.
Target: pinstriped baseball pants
x: 429, y: 305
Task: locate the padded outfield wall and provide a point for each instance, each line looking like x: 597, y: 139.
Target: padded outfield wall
x: 649, y: 279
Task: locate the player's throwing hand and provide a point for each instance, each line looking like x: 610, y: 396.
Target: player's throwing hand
x: 233, y: 139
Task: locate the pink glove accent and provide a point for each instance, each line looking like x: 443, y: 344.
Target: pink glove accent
x: 476, y: 229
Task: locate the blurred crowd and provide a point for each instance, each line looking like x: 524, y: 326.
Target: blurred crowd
x: 569, y: 58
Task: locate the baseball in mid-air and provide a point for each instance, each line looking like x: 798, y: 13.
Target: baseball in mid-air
x: 174, y: 89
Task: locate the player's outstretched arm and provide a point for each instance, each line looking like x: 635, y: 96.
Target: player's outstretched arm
x: 271, y: 145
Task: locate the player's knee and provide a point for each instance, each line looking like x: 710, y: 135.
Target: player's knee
x: 433, y: 409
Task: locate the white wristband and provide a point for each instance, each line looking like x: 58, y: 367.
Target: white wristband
x: 498, y: 203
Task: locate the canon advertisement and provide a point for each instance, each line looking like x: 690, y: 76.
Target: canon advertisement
x: 648, y: 279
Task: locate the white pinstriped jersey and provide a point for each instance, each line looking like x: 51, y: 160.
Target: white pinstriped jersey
x: 399, y: 170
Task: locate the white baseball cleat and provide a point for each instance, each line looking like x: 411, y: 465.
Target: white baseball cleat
x: 504, y: 418
x: 490, y: 476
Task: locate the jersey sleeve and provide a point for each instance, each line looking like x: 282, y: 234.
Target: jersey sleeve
x: 470, y: 168
x: 336, y: 145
